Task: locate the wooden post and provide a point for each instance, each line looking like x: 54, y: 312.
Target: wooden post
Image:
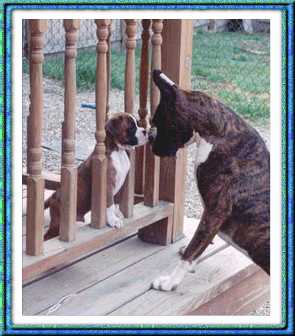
x: 160, y: 232
x: 127, y: 193
x: 99, y: 160
x: 68, y: 169
x: 35, y: 192
x: 177, y: 41
x: 152, y: 165
x: 143, y: 94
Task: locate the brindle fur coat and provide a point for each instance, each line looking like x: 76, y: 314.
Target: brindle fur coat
x: 234, y: 181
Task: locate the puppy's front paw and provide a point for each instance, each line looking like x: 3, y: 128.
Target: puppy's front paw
x: 164, y: 283
x: 112, y: 219
x: 115, y: 222
x: 118, y: 211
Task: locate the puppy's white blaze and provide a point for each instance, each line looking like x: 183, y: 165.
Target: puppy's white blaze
x: 121, y: 163
x: 170, y: 282
x: 141, y: 137
x: 166, y: 79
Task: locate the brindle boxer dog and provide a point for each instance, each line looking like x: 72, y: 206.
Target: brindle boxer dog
x: 122, y: 133
x: 232, y: 170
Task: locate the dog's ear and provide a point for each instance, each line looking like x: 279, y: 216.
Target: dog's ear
x: 111, y: 128
x: 166, y: 86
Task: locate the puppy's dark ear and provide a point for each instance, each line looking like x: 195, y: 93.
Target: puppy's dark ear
x: 165, y: 84
x: 110, y: 128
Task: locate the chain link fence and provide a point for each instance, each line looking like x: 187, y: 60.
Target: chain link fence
x: 230, y: 59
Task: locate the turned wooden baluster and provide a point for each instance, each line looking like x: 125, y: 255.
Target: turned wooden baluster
x: 99, y: 161
x: 152, y: 166
x: 143, y: 94
x: 68, y: 169
x: 109, y: 62
x: 127, y: 193
x: 35, y: 185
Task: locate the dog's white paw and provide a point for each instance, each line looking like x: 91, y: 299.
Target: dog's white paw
x: 115, y: 222
x: 170, y: 282
x: 165, y: 283
x: 118, y: 211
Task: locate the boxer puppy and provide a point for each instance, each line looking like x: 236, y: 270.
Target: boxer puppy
x: 122, y: 133
x: 232, y: 170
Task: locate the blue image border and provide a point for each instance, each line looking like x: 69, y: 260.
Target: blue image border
x: 287, y: 327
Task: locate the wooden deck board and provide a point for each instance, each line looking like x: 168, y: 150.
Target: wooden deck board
x: 212, y: 276
x: 88, y: 239
x: 116, y: 281
x: 241, y: 299
x: 85, y: 273
x: 105, y: 296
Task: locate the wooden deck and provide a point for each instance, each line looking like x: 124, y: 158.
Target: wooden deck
x: 116, y: 281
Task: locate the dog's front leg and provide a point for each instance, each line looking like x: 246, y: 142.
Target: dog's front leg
x: 202, y: 238
x: 209, y: 226
x: 114, y: 219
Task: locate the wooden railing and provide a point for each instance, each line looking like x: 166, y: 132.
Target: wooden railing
x: 151, y: 218
x: 35, y: 191
x: 68, y: 169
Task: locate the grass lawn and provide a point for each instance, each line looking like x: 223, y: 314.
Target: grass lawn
x: 231, y: 66
x: 235, y: 68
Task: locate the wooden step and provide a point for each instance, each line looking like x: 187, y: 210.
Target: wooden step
x: 95, y: 268
x: 213, y: 276
x: 88, y: 239
x: 106, y: 272
x: 116, y: 281
x: 241, y: 299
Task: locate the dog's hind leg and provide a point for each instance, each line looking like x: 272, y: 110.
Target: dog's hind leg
x: 261, y: 255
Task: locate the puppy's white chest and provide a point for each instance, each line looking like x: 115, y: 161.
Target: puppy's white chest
x: 121, y: 163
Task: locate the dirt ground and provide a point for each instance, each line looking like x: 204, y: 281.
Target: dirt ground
x: 85, y: 128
